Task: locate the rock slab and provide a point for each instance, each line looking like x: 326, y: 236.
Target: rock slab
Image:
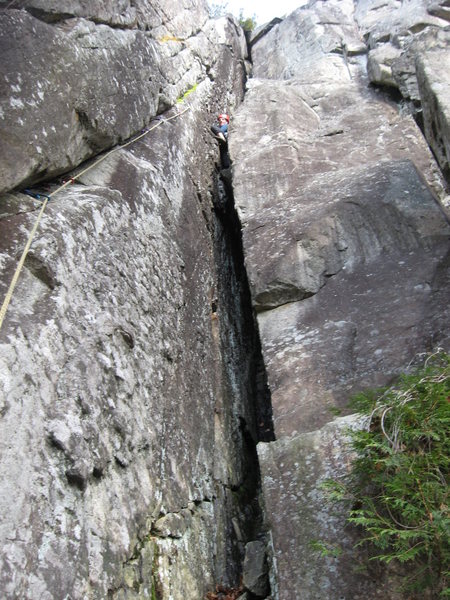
x: 346, y: 244
x: 111, y: 353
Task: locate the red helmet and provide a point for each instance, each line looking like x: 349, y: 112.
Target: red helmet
x: 224, y: 117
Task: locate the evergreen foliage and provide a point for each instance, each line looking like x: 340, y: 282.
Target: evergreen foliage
x: 398, y: 486
x: 247, y: 23
x: 220, y: 9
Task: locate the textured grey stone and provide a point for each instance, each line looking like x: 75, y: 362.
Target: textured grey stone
x: 434, y: 84
x: 119, y: 377
x: 368, y: 242
x: 175, y: 17
x: 301, y: 518
x: 379, y: 64
x: 255, y: 575
x: 309, y: 45
x: 398, y: 33
x: 260, y: 31
x: 110, y: 357
x: 380, y: 20
x: 347, y: 251
x: 79, y: 86
x: 440, y: 9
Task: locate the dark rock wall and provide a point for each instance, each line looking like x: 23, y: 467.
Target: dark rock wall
x: 119, y: 478
x: 346, y: 245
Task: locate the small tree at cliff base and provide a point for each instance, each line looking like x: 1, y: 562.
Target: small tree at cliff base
x: 398, y: 485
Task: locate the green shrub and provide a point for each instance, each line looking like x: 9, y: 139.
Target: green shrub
x: 247, y: 23
x: 398, y: 486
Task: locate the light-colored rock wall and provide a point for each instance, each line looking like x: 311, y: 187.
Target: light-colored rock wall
x: 402, y: 37
x: 117, y: 476
x: 346, y: 248
x: 124, y: 421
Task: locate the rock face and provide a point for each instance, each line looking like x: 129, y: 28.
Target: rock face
x: 79, y: 80
x: 132, y: 384
x: 434, y: 87
x: 346, y: 248
x: 118, y: 398
x: 408, y: 50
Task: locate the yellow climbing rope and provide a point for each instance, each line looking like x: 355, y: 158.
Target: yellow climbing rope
x: 13, y: 283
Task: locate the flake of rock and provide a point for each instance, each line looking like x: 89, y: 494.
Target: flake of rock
x: 255, y: 573
x: 434, y: 84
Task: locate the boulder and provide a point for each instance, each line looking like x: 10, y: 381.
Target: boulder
x: 313, y: 551
x: 255, y: 574
x: 379, y: 64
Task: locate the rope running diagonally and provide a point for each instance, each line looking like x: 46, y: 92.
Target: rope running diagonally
x: 19, y: 267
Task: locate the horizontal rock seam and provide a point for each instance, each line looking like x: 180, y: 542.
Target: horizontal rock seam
x: 19, y: 267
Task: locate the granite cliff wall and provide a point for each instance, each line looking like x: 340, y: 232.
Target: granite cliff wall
x: 126, y: 428
x: 346, y: 245
x: 133, y: 390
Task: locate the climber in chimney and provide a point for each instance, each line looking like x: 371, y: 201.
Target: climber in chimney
x: 220, y: 131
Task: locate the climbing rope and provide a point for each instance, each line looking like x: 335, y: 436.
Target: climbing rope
x: 13, y: 283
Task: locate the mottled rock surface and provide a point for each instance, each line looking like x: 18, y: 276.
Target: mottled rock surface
x: 433, y: 74
x: 402, y: 38
x: 255, y: 575
x: 306, y: 461
x: 84, y: 76
x: 346, y: 246
x: 128, y: 357
x: 117, y: 396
